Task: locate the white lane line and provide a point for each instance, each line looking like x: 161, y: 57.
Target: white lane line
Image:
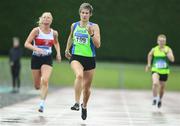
x: 126, y: 108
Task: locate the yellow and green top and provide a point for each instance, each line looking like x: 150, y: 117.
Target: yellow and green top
x: 82, y: 41
x: 160, y: 63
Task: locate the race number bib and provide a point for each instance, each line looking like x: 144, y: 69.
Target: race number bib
x: 161, y: 64
x: 46, y: 51
x: 81, y: 38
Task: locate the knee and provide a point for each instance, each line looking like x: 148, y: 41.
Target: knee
x: 44, y: 81
x: 155, y: 85
x: 162, y: 87
x: 79, y: 76
x: 37, y: 86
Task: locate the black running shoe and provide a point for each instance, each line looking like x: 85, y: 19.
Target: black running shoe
x: 159, y: 104
x: 75, y: 107
x: 83, y: 112
x: 41, y: 109
x: 154, y: 102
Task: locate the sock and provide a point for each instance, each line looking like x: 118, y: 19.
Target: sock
x: 83, y: 106
x: 42, y: 102
x: 156, y: 98
x: 77, y: 103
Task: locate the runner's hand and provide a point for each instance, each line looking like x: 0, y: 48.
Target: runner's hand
x: 90, y: 29
x: 147, y: 68
x: 58, y: 58
x: 40, y: 51
x: 67, y: 54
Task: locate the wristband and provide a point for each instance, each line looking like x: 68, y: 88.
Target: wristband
x: 92, y: 35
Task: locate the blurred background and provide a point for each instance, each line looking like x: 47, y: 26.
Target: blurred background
x: 129, y: 29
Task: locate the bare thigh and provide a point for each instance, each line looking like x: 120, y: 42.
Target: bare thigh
x: 46, y: 71
x: 36, y: 78
x: 162, y: 84
x: 77, y: 68
x: 155, y: 78
x: 88, y: 77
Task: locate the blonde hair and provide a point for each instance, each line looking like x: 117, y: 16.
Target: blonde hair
x: 45, y: 13
x: 86, y: 6
x: 162, y: 36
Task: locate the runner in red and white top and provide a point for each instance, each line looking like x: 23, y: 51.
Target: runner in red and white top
x: 43, y: 38
x: 44, y: 41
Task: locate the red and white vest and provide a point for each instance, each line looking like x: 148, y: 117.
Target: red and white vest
x: 45, y: 42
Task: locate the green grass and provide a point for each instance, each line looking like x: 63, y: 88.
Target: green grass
x: 107, y: 75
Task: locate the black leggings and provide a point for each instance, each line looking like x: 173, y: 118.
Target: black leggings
x: 15, y: 71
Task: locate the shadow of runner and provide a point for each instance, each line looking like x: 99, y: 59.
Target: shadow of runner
x: 159, y: 117
x: 40, y: 120
x: 83, y: 124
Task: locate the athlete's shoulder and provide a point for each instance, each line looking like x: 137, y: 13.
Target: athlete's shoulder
x: 153, y: 49
x: 96, y: 26
x: 76, y: 22
x: 35, y: 30
x: 156, y: 47
x: 167, y: 46
x: 74, y: 25
x: 55, y: 32
x: 92, y: 23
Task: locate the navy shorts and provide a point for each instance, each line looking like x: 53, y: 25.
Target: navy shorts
x: 88, y: 63
x: 38, y: 61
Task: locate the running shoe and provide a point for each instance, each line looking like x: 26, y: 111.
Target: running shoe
x: 83, y: 112
x: 154, y: 102
x: 159, y: 104
x: 41, y: 108
x: 75, y: 107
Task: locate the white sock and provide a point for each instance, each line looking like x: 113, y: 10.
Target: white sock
x: 42, y: 102
x: 83, y: 107
x: 156, y: 98
x: 77, y: 103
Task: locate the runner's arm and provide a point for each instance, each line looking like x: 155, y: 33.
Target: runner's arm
x: 57, y: 46
x: 170, y: 55
x: 96, y: 36
x: 149, y: 59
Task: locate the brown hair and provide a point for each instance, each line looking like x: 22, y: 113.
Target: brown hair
x: 86, y: 6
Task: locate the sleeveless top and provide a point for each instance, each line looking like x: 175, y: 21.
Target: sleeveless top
x: 45, y: 42
x: 82, y: 42
x: 160, y: 63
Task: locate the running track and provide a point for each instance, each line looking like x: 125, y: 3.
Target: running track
x: 106, y: 108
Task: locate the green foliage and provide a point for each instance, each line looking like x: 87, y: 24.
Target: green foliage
x: 128, y: 27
